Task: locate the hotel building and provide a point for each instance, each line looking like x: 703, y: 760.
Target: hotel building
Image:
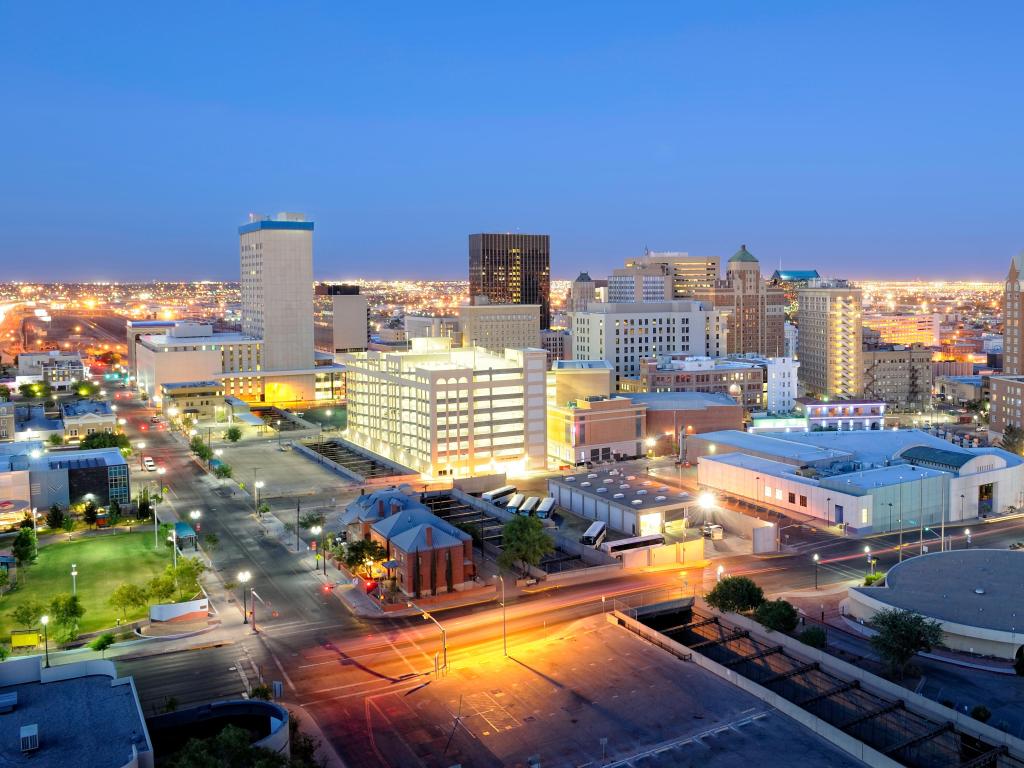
x: 829, y: 346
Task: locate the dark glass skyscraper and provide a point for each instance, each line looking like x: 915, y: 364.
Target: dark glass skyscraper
x: 511, y: 269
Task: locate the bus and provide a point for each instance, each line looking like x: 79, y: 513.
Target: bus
x: 515, y: 503
x: 498, y: 494
x: 528, y: 506
x: 545, y: 508
x: 638, y: 542
x: 594, y: 534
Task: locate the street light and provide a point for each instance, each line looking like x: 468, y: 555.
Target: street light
x: 140, y: 445
x: 706, y: 500
x: 257, y: 485
x: 173, y: 538
x: 316, y: 530
x: 44, y: 620
x: 243, y: 579
x: 74, y: 579
x: 816, y: 559
x: 867, y: 554
x: 195, y: 514
x: 504, y: 626
x: 719, y: 571
x: 444, y: 635
x: 967, y: 533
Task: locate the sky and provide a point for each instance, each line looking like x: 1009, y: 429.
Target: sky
x: 864, y: 139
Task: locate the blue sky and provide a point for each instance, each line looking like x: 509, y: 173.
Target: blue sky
x: 864, y: 139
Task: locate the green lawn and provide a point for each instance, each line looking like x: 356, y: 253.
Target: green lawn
x: 103, y: 563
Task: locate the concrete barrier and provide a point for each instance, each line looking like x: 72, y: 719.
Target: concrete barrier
x: 192, y: 609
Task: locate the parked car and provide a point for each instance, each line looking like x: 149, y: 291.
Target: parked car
x: 149, y: 464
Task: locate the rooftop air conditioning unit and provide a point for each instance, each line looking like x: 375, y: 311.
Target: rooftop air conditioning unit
x: 29, y: 738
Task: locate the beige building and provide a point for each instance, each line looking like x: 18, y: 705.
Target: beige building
x: 448, y: 412
x: 582, y: 293
x: 688, y: 274
x: 641, y: 283
x: 557, y: 342
x: 829, y: 345
x: 905, y: 329
x: 350, y: 318
x: 497, y: 327
x: 899, y: 375
x: 1013, y: 318
x: 200, y: 401
x: 757, y: 310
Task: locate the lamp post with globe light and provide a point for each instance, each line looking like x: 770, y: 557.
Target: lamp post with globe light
x: 816, y: 560
x: 195, y: 514
x: 243, y: 579
x: 45, y: 620
x: 316, y: 530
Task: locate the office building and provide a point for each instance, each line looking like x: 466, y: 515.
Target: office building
x: 350, y: 318
x: 137, y: 328
x: 905, y: 329
x: 557, y: 343
x: 202, y: 402
x: 831, y: 360
x: 1005, y: 408
x: 687, y: 274
x: 511, y: 268
x: 743, y: 381
x: 82, y: 418
x: 627, y: 334
x: 1013, y: 318
x: 582, y: 293
x: 7, y: 421
x: 791, y: 281
x: 961, y: 390
x: 33, y: 363
x: 497, y: 327
x: 433, y: 327
x: 756, y: 309
x: 642, y: 283
x: 899, y: 375
x: 449, y: 412
x: 671, y: 417
x: 868, y: 481
x: 276, y: 256
x: 791, y: 340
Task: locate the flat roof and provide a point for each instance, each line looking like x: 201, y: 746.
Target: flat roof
x: 561, y: 365
x: 680, y: 401
x: 191, y: 384
x: 638, y: 492
x: 943, y: 586
x: 782, y: 447
x: 879, y: 477
x: 165, y: 340
x: 877, y: 446
x: 761, y: 465
x: 151, y: 323
x: 82, y: 720
x: 86, y: 407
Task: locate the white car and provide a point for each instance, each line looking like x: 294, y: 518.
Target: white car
x: 149, y: 464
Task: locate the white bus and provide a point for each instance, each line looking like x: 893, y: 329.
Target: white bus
x: 496, y: 496
x: 638, y: 542
x: 515, y: 503
x: 528, y: 506
x: 545, y: 508
x: 595, y: 534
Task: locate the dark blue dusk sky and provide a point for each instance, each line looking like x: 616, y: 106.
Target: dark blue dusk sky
x: 864, y: 139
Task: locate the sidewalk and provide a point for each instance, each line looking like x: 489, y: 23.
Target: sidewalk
x: 325, y: 753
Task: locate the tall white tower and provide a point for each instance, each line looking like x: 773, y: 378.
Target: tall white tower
x: 277, y: 288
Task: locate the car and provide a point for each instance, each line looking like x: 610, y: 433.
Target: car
x: 155, y: 419
x: 149, y: 464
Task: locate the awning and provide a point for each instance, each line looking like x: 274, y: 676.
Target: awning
x: 390, y: 564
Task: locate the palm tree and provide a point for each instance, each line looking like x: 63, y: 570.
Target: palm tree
x: 1013, y: 440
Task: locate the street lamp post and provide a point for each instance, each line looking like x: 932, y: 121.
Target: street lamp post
x: 504, y: 626
x: 316, y: 530
x: 243, y: 579
x: 718, y: 573
x: 140, y: 445
x: 867, y: 554
x: 74, y: 579
x: 257, y: 484
x: 173, y: 538
x: 444, y: 635
x: 816, y: 559
x: 44, y: 620
x: 828, y: 510
x: 967, y: 533
x: 195, y: 514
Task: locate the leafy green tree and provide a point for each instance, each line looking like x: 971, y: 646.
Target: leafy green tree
x: 1013, y: 439
x: 524, y: 541
x: 223, y: 471
x: 24, y: 547
x: 5, y: 651
x: 143, y: 505
x: 113, y: 513
x: 27, y: 614
x: 107, y: 440
x: 90, y: 513
x: 66, y: 608
x: 779, y: 615
x: 5, y: 392
x: 359, y: 555
x: 35, y: 391
x: 211, y: 541
x: 54, y: 517
x: 199, y: 448
x: 231, y: 748
x: 101, y: 644
x: 126, y: 596
x: 186, y: 575
x: 261, y: 692
x: 735, y: 594
x: 161, y: 588
x: 56, y: 439
x: 310, y: 519
x: 68, y: 525
x: 85, y: 389
x: 814, y: 637
x: 901, y: 634
x: 233, y: 434
x: 5, y: 579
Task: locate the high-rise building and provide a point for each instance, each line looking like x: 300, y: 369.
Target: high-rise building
x: 899, y: 375
x: 511, y: 268
x: 1013, y: 319
x: 688, y: 274
x: 497, y: 327
x: 831, y: 359
x: 756, y: 309
x: 905, y: 329
x: 641, y: 283
x: 350, y: 318
x: 582, y: 292
x: 627, y: 334
x: 277, y: 288
x: 790, y: 281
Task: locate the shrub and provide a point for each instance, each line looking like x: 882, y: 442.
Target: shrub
x: 814, y: 637
x: 233, y: 434
x: 981, y: 713
x: 779, y: 615
x: 223, y: 471
x: 874, y: 578
x: 737, y: 594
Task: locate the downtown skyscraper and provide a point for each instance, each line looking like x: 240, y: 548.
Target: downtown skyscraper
x: 511, y: 268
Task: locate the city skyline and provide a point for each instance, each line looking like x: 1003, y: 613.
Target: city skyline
x: 726, y: 125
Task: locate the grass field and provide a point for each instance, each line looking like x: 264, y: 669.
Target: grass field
x: 103, y: 563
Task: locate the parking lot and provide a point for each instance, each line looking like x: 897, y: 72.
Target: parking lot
x: 364, y: 466
x: 283, y: 473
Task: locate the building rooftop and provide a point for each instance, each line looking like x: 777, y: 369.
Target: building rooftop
x: 974, y: 380
x: 150, y: 323
x: 91, y: 719
x: 174, y: 385
x: 616, y: 486
x: 945, y: 586
x: 680, y: 401
x: 795, y: 275
x: 415, y: 539
x: 743, y: 255
x: 780, y: 447
x: 880, y: 446
x: 163, y: 340
x: 294, y: 221
x: 85, y: 408
x: 564, y: 365
x: 927, y: 454
x: 33, y: 418
x: 95, y: 457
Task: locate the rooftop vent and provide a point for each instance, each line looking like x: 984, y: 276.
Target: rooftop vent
x: 8, y: 701
x: 29, y: 738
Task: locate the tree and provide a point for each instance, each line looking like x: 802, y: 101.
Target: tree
x: 901, y: 634
x: 85, y: 389
x: 261, y: 692
x: 524, y: 541
x: 5, y: 651
x: 127, y: 596
x: 210, y: 541
x: 1013, y: 439
x: 143, y: 506
x: 65, y: 608
x: 36, y: 391
x: 56, y: 439
x: 814, y: 637
x: 24, y: 547
x: 779, y: 615
x: 68, y: 525
x: 54, y: 518
x: 27, y: 614
x: 90, y: 513
x: 101, y: 644
x: 5, y: 578
x: 161, y: 588
x: 233, y: 434
x: 113, y: 513
x: 231, y: 748
x: 310, y: 519
x: 736, y: 594
x: 107, y: 440
x: 5, y: 392
x: 223, y: 471
x: 199, y: 448
x: 186, y: 575
x: 360, y: 554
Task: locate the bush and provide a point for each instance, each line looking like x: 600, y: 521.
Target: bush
x: 779, y: 615
x: 223, y: 471
x: 54, y: 518
x: 981, y: 713
x: 874, y: 578
x: 233, y: 434
x: 737, y: 594
x: 814, y: 637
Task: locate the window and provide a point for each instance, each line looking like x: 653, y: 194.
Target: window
x: 768, y: 491
x: 803, y: 501
x: 792, y: 498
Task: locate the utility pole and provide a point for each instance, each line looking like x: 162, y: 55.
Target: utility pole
x: 298, y: 506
